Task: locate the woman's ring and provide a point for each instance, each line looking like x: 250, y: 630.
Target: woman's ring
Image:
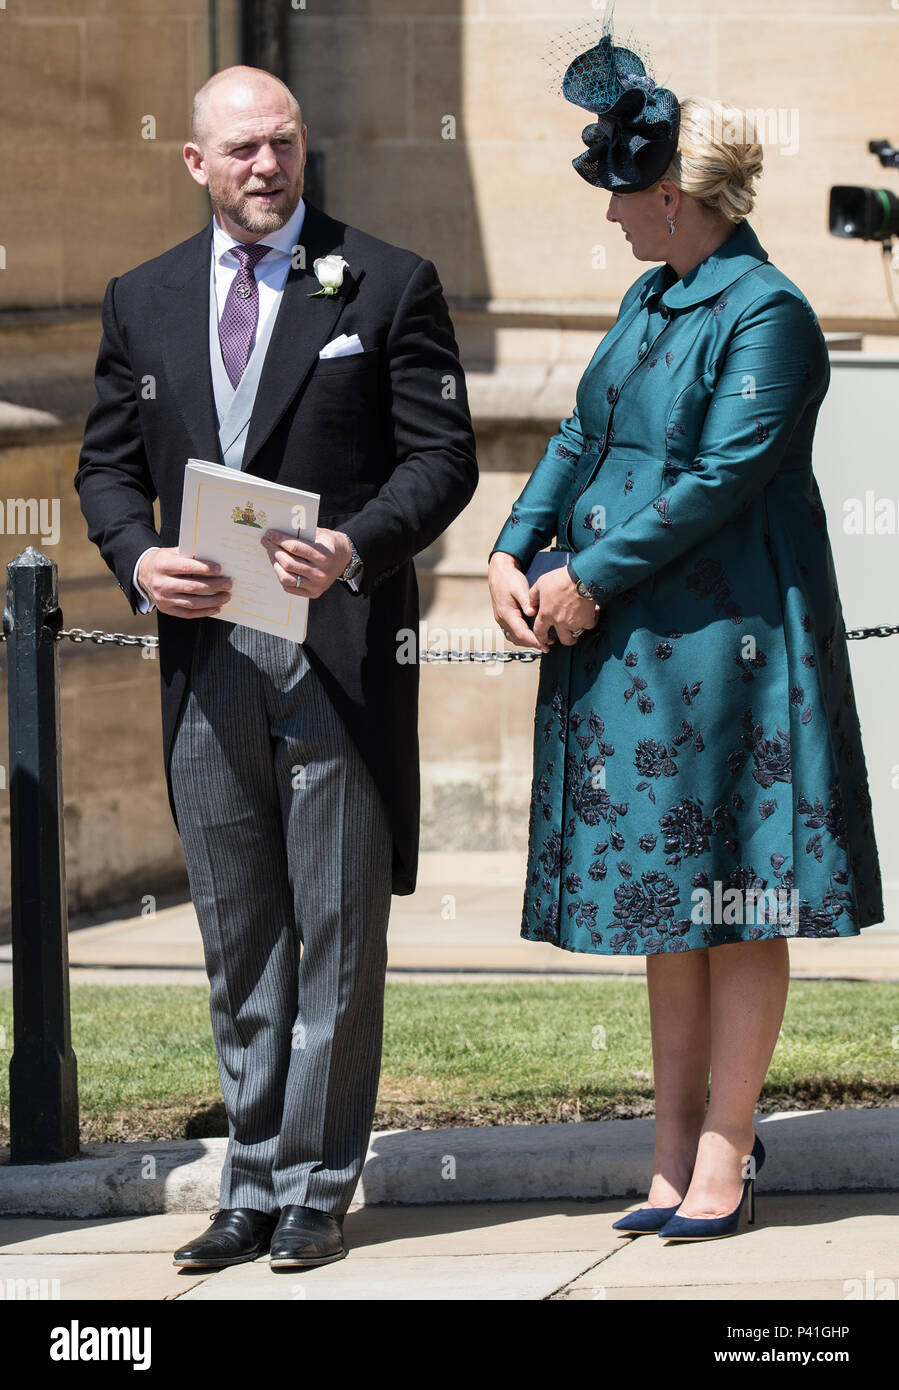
x: 578, y: 632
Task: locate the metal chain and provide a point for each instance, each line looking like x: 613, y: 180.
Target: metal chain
x: 502, y: 656
x: 121, y: 639
x: 857, y: 633
x: 130, y: 639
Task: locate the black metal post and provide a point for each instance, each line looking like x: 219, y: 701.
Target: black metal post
x: 263, y: 36
x: 213, y: 17
x: 265, y: 43
x: 43, y: 1078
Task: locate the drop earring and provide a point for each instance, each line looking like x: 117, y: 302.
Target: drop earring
x: 670, y: 224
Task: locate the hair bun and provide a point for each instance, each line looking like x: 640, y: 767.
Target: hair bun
x: 718, y: 157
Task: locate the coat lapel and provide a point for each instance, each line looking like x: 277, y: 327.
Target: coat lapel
x: 182, y: 301
x: 305, y: 323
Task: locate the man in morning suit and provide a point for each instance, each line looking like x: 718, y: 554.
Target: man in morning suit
x: 292, y: 769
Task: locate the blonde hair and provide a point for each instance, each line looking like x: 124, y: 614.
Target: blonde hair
x: 718, y: 157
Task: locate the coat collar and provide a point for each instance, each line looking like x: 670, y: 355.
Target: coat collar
x: 741, y: 252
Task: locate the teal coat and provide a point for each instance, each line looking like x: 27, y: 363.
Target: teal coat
x: 698, y: 767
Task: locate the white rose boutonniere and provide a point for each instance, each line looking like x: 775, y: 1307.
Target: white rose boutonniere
x: 329, y: 274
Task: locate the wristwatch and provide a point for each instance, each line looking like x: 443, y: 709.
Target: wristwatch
x: 354, y: 568
x: 578, y: 583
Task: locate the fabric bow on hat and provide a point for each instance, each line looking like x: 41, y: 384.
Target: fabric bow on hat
x: 634, y: 137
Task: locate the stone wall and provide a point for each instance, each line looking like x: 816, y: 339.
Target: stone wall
x: 438, y: 131
x: 384, y: 83
x: 96, y: 97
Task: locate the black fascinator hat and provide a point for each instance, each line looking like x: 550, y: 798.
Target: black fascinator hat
x: 634, y: 137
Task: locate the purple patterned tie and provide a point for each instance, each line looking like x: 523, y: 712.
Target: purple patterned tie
x: 240, y: 315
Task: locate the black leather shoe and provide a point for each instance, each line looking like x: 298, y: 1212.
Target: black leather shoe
x: 237, y: 1234
x: 305, y: 1237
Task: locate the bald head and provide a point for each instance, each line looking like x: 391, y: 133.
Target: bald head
x: 233, y: 91
x: 248, y: 148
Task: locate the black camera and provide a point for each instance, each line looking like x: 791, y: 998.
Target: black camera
x: 871, y: 214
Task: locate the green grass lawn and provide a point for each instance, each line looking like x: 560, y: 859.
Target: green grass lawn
x: 480, y: 1053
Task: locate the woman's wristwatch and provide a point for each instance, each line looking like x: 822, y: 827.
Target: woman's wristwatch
x: 578, y: 584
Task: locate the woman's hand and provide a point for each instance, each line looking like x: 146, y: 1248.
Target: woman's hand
x: 560, y: 606
x: 510, y: 595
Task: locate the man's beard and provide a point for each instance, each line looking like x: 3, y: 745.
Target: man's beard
x: 252, y: 215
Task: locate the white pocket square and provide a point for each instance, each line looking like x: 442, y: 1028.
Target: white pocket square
x: 342, y: 346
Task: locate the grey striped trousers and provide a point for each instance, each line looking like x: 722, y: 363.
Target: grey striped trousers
x: 288, y: 851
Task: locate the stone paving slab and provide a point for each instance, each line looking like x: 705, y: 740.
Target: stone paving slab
x: 115, y: 1276
x: 821, y: 1236
x: 54, y: 1235
x: 826, y: 1247
x: 479, y: 1228
x: 388, y: 1232
x: 485, y: 1277
x: 817, y: 1291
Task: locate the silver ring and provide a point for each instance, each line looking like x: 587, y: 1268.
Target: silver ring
x: 299, y: 580
x: 579, y: 632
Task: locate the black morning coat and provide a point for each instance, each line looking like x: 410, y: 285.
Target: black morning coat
x: 384, y: 436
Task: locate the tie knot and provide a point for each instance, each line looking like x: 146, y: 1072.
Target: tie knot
x: 249, y: 256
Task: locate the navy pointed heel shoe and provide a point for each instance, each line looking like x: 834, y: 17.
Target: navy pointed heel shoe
x: 712, y: 1228
x: 645, y: 1222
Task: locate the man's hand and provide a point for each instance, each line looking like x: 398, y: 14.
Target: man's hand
x: 181, y: 586
x: 560, y: 606
x: 510, y: 594
x: 318, y: 563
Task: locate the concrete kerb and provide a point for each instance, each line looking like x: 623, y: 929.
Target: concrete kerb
x: 808, y: 1151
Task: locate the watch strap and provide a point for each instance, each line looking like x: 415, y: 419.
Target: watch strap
x: 354, y: 564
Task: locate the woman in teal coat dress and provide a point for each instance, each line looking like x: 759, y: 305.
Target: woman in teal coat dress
x: 699, y: 780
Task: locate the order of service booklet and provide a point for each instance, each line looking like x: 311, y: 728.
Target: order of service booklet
x: 223, y: 515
